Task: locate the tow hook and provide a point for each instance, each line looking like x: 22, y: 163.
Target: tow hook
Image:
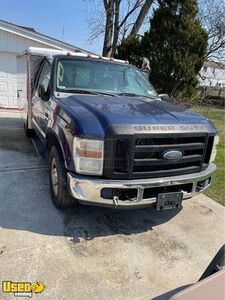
x: 115, y: 200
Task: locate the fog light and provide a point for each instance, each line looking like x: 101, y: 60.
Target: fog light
x: 203, y: 184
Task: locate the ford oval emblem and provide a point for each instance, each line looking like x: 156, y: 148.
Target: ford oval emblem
x: 173, y: 154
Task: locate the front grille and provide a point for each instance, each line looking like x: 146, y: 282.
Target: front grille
x: 148, y: 156
x: 141, y: 156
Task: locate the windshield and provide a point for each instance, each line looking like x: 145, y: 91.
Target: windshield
x: 101, y: 77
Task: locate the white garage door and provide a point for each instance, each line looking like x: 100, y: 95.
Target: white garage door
x: 8, y: 81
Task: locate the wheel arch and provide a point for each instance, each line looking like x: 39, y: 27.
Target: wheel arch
x: 53, y: 140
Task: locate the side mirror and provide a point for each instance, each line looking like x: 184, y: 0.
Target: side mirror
x: 165, y: 97
x: 146, y: 69
x: 42, y: 93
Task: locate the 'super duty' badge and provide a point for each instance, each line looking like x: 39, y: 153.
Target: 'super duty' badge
x: 173, y: 155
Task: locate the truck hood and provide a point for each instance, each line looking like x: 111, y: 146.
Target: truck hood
x: 94, y: 114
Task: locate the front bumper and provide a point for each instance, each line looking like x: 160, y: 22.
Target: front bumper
x: 88, y: 190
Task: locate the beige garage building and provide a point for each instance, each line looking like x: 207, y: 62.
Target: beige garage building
x: 15, y: 39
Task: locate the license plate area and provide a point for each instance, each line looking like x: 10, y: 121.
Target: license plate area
x: 169, y: 200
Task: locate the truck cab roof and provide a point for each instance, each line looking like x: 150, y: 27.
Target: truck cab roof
x: 51, y: 53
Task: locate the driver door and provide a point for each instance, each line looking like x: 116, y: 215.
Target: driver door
x: 40, y: 103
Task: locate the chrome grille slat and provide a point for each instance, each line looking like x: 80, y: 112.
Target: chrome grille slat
x: 154, y: 161
x: 177, y: 171
x: 158, y: 148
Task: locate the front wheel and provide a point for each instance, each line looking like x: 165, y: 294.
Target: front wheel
x: 58, y: 181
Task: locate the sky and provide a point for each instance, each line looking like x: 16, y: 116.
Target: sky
x: 50, y: 17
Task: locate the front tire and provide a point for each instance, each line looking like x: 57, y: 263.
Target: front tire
x: 58, y: 181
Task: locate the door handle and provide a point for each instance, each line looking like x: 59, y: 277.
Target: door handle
x: 46, y: 117
x: 18, y: 93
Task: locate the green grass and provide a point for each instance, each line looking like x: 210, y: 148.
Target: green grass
x: 217, y: 116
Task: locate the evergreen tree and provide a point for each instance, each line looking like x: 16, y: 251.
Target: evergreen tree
x: 175, y: 45
x: 131, y: 50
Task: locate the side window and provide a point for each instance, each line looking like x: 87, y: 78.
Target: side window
x: 45, y: 77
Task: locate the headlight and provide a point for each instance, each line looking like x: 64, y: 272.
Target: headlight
x: 88, y: 156
x: 215, y: 143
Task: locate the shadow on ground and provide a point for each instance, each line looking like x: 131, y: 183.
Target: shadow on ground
x: 86, y: 222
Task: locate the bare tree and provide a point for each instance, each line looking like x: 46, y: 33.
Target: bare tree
x: 141, y: 17
x: 119, y: 16
x: 110, y: 14
x: 212, y: 17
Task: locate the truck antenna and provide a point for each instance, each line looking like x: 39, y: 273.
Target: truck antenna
x: 62, y: 36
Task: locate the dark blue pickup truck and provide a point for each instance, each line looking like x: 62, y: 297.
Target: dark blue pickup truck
x: 111, y: 139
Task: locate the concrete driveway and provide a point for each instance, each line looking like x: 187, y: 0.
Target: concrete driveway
x: 94, y: 253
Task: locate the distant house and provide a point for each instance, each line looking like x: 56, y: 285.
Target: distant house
x: 15, y: 39
x: 212, y: 74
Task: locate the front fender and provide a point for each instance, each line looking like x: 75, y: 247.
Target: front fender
x: 63, y: 140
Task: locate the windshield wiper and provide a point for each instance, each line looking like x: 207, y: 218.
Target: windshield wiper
x: 79, y: 91
x: 76, y: 91
x: 107, y: 94
x: 135, y: 95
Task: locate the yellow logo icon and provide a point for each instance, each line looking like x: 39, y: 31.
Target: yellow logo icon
x: 22, y: 289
